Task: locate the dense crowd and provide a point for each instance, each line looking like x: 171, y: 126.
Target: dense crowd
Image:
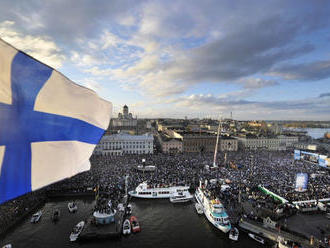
x: 243, y: 171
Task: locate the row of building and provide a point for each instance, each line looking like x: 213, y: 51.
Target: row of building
x: 191, y: 136
x: 124, y: 143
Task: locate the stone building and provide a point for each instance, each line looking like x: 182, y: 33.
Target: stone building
x: 170, y: 145
x: 124, y: 143
x: 125, y: 121
x: 278, y: 143
x: 201, y: 142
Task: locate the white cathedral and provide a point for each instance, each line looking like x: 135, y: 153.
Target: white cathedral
x: 124, y: 119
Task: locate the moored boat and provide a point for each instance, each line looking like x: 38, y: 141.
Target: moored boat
x: 126, y: 227
x: 233, y: 234
x: 213, y: 209
x: 72, y: 207
x: 7, y: 246
x: 36, y: 217
x: 135, y: 224
x: 77, y: 230
x: 178, y: 197
x: 256, y: 238
x: 199, y: 208
x: 56, y: 215
x: 129, y: 209
x: 143, y: 190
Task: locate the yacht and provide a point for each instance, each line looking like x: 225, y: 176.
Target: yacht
x: 233, y: 234
x: 178, y: 197
x: 212, y: 208
x: 36, y: 217
x: 143, y: 190
x: 76, y: 231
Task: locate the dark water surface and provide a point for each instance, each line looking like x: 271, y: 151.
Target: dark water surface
x: 163, y: 225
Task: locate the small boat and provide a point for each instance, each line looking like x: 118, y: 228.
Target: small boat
x: 72, y: 207
x: 77, y: 230
x: 129, y: 209
x: 181, y: 196
x: 36, y: 217
x: 7, y: 246
x: 256, y: 238
x: 126, y: 227
x: 233, y: 234
x: 56, y: 215
x: 199, y: 208
x: 120, y: 207
x: 135, y: 224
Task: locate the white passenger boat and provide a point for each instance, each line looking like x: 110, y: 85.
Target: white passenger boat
x: 126, y: 227
x: 178, y: 197
x: 213, y: 209
x: 72, y: 207
x: 77, y: 230
x: 143, y: 190
x: 199, y: 208
x: 257, y: 238
x: 36, y: 217
x: 233, y: 234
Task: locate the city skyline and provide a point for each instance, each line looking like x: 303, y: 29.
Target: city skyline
x: 169, y: 59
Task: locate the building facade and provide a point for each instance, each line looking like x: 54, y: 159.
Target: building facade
x: 170, y: 145
x: 206, y: 143
x: 279, y: 143
x: 124, y: 143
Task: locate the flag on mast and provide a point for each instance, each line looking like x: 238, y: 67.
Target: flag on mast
x: 49, y: 125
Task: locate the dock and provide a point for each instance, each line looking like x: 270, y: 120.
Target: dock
x: 274, y: 234
x: 92, y: 231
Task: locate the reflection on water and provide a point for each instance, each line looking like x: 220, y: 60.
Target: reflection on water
x: 163, y: 225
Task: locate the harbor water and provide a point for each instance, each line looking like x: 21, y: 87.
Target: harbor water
x: 163, y: 225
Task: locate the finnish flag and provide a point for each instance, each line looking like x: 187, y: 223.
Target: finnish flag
x: 49, y: 125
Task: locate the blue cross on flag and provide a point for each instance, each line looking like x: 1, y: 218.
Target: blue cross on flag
x: 49, y: 125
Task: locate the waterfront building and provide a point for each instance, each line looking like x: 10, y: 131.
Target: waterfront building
x: 124, y: 143
x: 278, y: 143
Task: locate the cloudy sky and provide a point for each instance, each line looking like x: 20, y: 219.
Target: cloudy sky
x: 257, y: 59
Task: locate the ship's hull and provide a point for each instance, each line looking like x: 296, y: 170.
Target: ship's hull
x: 157, y: 193
x: 207, y: 213
x: 164, y: 196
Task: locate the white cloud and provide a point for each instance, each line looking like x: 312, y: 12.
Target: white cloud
x: 39, y: 47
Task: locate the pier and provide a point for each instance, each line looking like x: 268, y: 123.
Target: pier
x: 274, y: 234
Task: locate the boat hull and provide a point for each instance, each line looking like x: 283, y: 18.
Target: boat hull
x: 207, y: 213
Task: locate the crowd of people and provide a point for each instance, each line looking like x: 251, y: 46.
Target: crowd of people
x: 243, y: 171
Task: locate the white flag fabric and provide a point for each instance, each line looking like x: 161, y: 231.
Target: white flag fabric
x: 49, y: 125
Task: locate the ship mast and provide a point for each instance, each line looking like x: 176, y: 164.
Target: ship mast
x: 216, y: 145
